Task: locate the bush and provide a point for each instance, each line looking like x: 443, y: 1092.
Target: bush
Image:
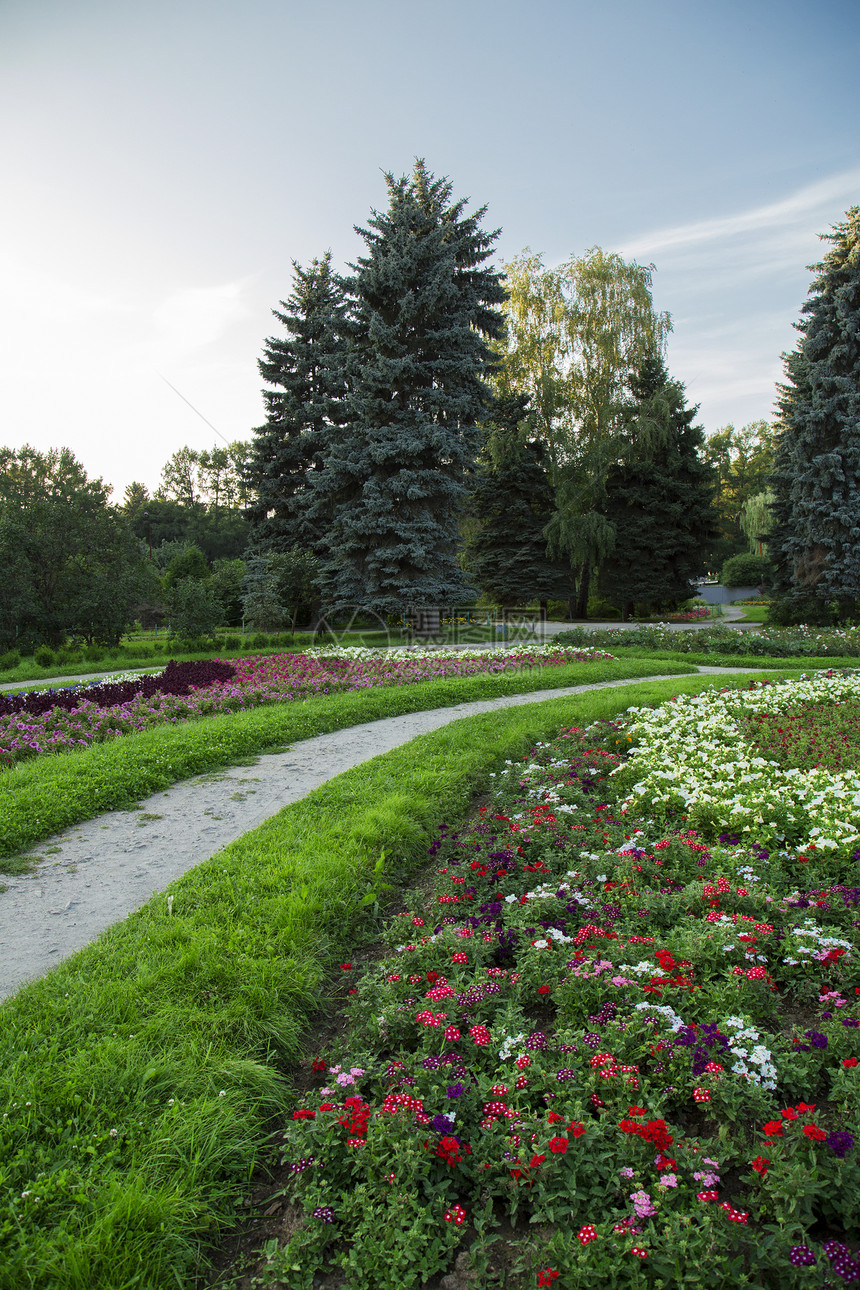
x: 68, y: 654
x: 44, y: 656
x: 231, y: 642
x: 746, y: 570
x: 602, y: 609
x: 194, y: 609
x: 94, y: 653
x: 259, y: 640
x: 9, y: 660
x: 557, y: 611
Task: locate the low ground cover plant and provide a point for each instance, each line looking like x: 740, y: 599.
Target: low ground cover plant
x: 629, y: 1044
x: 771, y: 642
x: 63, y: 720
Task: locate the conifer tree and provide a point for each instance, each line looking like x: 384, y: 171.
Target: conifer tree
x: 512, y: 502
x: 397, y: 479
x: 659, y: 498
x: 303, y: 408
x: 815, y: 541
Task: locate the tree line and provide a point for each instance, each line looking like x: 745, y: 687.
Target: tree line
x: 437, y: 429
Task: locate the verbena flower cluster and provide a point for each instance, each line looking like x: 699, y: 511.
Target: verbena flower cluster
x: 564, y: 1032
x: 58, y: 721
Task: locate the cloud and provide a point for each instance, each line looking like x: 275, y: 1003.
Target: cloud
x: 196, y: 316
x: 810, y: 204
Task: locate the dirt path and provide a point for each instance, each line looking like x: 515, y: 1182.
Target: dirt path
x: 96, y: 873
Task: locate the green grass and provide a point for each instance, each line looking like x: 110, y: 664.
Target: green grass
x: 744, y: 661
x: 752, y: 613
x: 204, y: 1001
x: 55, y: 791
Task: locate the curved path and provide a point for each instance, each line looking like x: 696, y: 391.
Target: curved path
x: 97, y: 872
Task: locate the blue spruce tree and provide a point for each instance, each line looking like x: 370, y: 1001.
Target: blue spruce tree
x: 304, y: 407
x: 396, y: 480
x: 815, y: 541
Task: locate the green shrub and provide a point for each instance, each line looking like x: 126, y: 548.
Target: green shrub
x: 9, y: 660
x: 746, y: 570
x: 68, y: 654
x: 45, y: 656
x: 259, y: 640
x: 94, y: 653
x: 232, y: 642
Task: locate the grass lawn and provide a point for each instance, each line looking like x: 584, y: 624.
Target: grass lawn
x: 753, y: 613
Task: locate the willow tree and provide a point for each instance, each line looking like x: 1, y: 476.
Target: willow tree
x: 575, y: 335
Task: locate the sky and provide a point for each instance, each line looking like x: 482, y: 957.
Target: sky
x: 165, y: 164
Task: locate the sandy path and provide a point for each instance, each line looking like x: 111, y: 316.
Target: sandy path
x: 96, y: 873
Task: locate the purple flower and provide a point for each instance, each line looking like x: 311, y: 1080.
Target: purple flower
x: 840, y: 1142
x: 819, y: 1040
x: 441, y: 1124
x: 324, y: 1213
x: 455, y: 1090
x: 801, y: 1256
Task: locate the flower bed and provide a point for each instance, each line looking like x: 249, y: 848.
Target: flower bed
x: 770, y: 642
x: 697, y: 756
x: 641, y: 1045
x: 77, y: 717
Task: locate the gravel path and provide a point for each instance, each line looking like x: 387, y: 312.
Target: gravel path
x: 96, y: 873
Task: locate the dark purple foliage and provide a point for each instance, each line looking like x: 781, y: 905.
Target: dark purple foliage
x: 177, y: 678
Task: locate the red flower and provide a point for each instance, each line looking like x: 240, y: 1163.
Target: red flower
x: 456, y: 1214
x: 535, y: 1161
x: 558, y: 1145
x: 304, y: 1115
x: 547, y: 1277
x: 812, y: 1131
x: 587, y: 1233
x: 317, y: 1066
x: 773, y: 1128
x: 760, y: 1165
x: 448, y: 1149
x: 576, y: 1129
x: 850, y: 1061
x: 543, y: 989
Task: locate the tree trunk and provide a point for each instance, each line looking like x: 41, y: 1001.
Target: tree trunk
x: 582, y: 590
